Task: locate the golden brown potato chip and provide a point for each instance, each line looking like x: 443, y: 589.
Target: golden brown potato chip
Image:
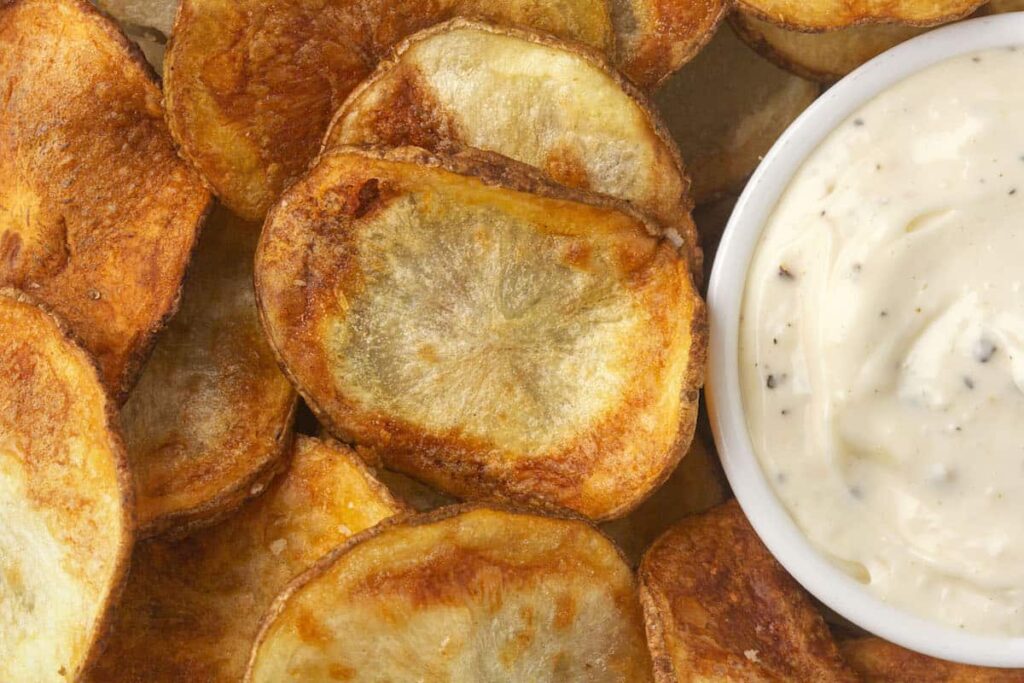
x: 562, y: 110
x: 697, y: 484
x: 878, y: 661
x: 1000, y: 6
x: 829, y: 15
x: 824, y: 57
x: 65, y: 517
x: 719, y: 608
x: 209, y: 422
x: 460, y: 594
x: 98, y: 214
x: 252, y: 85
x: 725, y: 109
x: 482, y: 329
x: 192, y: 607
x: 656, y: 37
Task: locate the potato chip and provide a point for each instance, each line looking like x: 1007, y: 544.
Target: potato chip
x: 66, y: 519
x: 482, y: 329
x: 460, y: 594
x: 725, y: 109
x: 562, y: 110
x: 656, y: 37
x: 251, y: 85
x: 98, y: 214
x: 1001, y: 6
x: 696, y: 485
x: 720, y: 608
x: 192, y: 607
x: 878, y: 661
x: 824, y: 57
x: 829, y: 15
x: 209, y: 422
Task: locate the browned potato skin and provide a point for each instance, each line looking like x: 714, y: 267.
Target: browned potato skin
x: 482, y: 555
x: 823, y: 57
x: 50, y: 399
x: 878, y: 661
x: 720, y: 608
x: 192, y: 607
x: 251, y: 85
x: 209, y: 422
x: 656, y: 37
x: 301, y: 265
x: 409, y: 113
x: 98, y: 215
x: 829, y: 15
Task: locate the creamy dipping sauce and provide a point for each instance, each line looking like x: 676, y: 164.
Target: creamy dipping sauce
x: 882, y: 344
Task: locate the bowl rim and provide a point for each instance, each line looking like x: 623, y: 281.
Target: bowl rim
x: 727, y: 283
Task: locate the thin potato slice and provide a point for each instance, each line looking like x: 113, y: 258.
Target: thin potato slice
x: 878, y: 661
x: 562, y: 110
x: 1001, y: 6
x: 460, y: 594
x: 829, y: 15
x: 208, y: 424
x: 251, y: 85
x: 696, y: 485
x: 719, y: 608
x: 483, y: 330
x: 65, y: 517
x: 823, y: 57
x: 192, y: 607
x: 98, y: 214
x: 656, y: 37
x: 725, y: 109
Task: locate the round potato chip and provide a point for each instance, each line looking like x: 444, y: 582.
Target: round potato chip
x: 563, y: 110
x: 460, y: 594
x: 209, y: 422
x: 829, y: 15
x: 725, y: 109
x: 98, y: 215
x: 484, y: 330
x: 823, y: 57
x: 192, y: 607
x: 66, y: 516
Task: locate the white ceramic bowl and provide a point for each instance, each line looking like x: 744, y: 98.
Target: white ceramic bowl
x: 725, y: 296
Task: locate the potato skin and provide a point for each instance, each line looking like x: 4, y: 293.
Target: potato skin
x: 68, y: 494
x: 547, y: 597
x: 599, y: 454
x: 878, y: 661
x: 830, y: 15
x: 720, y: 608
x: 98, y: 215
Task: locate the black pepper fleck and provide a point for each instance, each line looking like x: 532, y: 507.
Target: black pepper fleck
x: 783, y: 412
x: 968, y: 382
x: 857, y: 267
x: 976, y: 60
x: 1013, y: 191
x: 770, y: 382
x: 775, y: 340
x: 858, y: 122
x: 856, y: 492
x: 984, y: 350
x: 785, y: 274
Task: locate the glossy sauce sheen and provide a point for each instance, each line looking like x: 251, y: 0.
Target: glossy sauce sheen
x: 882, y: 344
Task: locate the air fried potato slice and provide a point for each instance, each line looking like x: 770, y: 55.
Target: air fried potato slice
x: 251, y: 85
x: 829, y: 15
x: 562, y: 110
x: 208, y: 423
x: 483, y: 330
x: 878, y: 661
x: 65, y: 517
x: 719, y: 608
x: 464, y: 594
x: 725, y: 109
x: 696, y: 485
x: 98, y: 214
x: 192, y: 607
x: 823, y: 57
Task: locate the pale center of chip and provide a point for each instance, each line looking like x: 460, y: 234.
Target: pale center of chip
x: 472, y: 321
x: 38, y: 596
